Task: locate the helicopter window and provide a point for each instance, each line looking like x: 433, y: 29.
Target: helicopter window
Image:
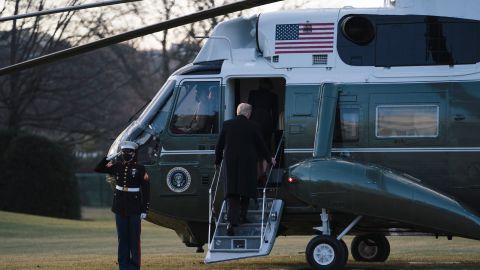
x: 197, y: 108
x: 407, y: 121
x: 347, y: 125
x: 358, y: 29
x: 157, y: 102
x: 160, y: 119
x: 408, y: 40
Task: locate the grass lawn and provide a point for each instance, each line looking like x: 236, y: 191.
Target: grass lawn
x: 33, y: 242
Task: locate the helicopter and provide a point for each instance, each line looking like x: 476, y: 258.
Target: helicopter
x: 378, y: 109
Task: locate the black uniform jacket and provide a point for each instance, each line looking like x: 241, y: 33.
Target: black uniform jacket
x: 130, y: 175
x: 264, y: 111
x: 241, y: 140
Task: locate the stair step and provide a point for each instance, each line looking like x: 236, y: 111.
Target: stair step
x: 252, y: 224
x: 253, y: 212
x: 236, y: 242
x: 234, y: 250
x: 258, y: 212
x: 239, y: 231
x: 237, y: 237
x: 254, y: 218
x: 247, y: 241
x: 252, y: 215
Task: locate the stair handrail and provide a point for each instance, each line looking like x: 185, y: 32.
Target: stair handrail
x: 211, y: 202
x: 265, y: 196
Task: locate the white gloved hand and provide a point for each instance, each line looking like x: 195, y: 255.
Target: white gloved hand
x: 143, y: 215
x: 113, y: 156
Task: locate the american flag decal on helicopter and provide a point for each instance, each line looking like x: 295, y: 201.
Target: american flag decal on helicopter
x: 304, y: 38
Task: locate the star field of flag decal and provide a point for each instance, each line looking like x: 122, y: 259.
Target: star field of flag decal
x: 304, y: 38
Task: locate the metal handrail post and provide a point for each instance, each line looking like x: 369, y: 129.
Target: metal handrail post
x: 210, y: 209
x: 212, y: 202
x: 209, y: 215
x: 265, y: 196
x: 218, y: 182
x: 263, y: 217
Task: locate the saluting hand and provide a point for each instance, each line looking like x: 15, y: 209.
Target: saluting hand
x: 273, y: 161
x: 143, y: 215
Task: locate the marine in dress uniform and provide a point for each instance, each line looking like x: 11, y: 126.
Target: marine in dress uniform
x: 242, y: 143
x: 131, y: 199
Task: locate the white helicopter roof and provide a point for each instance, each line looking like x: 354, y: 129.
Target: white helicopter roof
x: 307, y: 39
x: 278, y: 32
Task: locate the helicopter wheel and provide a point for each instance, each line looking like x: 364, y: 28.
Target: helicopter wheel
x: 370, y: 248
x: 325, y: 253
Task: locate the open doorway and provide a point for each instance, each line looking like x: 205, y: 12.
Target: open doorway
x: 247, y: 90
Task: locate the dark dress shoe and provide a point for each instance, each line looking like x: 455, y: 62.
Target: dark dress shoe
x: 230, y: 231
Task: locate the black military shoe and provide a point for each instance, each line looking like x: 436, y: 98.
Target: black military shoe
x: 230, y: 231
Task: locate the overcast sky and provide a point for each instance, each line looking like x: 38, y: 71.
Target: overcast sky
x: 151, y: 13
x: 149, y: 42
x: 326, y: 4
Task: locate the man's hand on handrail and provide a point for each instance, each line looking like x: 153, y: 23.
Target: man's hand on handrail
x: 274, y: 162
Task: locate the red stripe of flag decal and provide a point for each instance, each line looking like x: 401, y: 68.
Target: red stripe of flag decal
x: 308, y: 24
x: 315, y: 33
x: 305, y: 47
x: 305, y: 42
x: 304, y: 51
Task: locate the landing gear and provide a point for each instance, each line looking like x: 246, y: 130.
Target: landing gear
x: 325, y: 252
x: 370, y: 248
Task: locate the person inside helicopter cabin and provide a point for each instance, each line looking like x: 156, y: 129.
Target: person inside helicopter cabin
x: 265, y: 113
x: 241, y: 143
x: 131, y: 199
x: 205, y: 114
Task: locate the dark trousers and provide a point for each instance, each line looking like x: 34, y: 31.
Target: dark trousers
x: 128, y: 231
x: 237, y: 207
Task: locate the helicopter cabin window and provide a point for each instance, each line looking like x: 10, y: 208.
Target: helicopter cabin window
x: 197, y: 108
x: 408, y: 40
x: 407, y: 121
x: 347, y: 125
x: 160, y: 119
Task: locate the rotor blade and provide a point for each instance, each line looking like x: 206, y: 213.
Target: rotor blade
x: 65, y: 9
x: 241, y: 5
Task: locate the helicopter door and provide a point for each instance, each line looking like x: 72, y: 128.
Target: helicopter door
x: 300, y: 122
x: 187, y: 154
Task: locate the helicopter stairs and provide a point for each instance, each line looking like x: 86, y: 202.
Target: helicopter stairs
x: 251, y: 239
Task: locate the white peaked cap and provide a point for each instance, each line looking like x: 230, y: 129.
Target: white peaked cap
x: 129, y: 145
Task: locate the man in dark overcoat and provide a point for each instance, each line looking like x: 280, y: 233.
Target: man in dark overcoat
x: 131, y: 199
x: 241, y: 142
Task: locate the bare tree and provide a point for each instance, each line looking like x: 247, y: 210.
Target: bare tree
x: 88, y: 96
x: 72, y: 100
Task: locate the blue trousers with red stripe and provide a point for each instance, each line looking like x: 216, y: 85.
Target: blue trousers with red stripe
x: 128, y: 231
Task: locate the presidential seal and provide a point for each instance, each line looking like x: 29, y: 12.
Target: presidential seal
x: 178, y: 179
